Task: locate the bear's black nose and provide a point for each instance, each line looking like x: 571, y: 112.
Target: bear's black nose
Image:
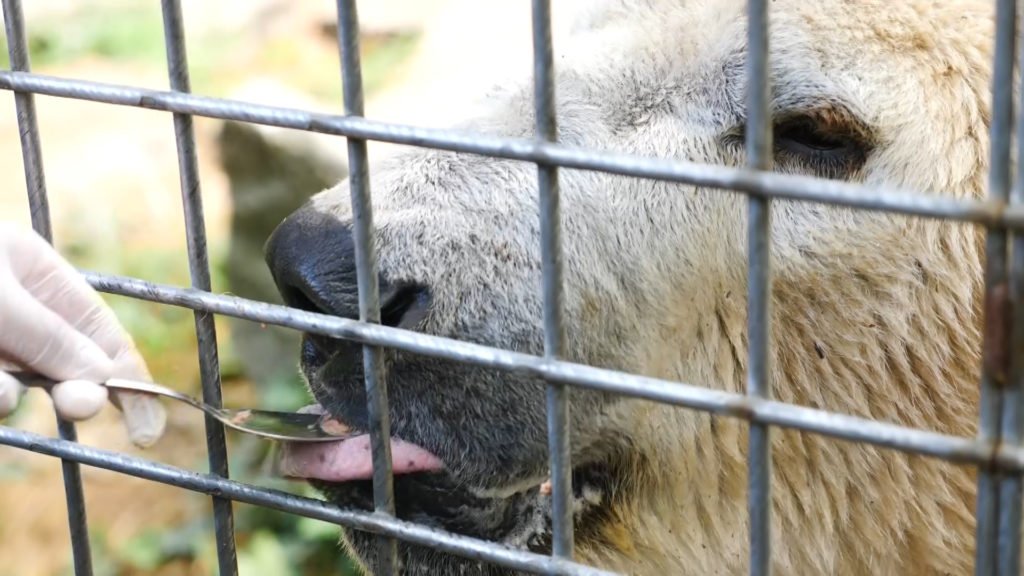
x: 312, y: 259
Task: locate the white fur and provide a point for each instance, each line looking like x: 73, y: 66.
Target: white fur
x: 873, y: 315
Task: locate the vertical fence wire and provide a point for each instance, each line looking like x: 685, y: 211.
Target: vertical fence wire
x: 1011, y: 354
x: 994, y: 374
x: 32, y: 156
x: 759, y: 157
x: 199, y: 268
x: 551, y: 273
x: 39, y: 205
x: 367, y: 279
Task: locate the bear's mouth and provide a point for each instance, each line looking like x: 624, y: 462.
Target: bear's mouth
x: 427, y: 493
x: 350, y: 460
x: 441, y: 478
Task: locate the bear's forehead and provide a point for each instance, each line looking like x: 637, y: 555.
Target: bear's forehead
x: 848, y: 50
x: 854, y: 51
x: 848, y: 28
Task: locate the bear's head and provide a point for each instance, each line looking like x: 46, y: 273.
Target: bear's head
x: 883, y: 93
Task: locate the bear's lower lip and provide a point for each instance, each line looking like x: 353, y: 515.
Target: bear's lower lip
x: 350, y: 458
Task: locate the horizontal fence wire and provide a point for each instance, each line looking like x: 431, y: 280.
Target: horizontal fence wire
x: 771, y: 184
x: 213, y: 485
x: 843, y: 427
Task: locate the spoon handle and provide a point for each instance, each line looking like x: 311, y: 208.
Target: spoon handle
x: 289, y: 426
x: 39, y: 381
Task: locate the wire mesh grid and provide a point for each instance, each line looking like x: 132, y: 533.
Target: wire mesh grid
x: 997, y: 451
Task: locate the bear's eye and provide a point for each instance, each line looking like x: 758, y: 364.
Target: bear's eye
x: 804, y: 136
x: 829, y: 149
x: 828, y: 142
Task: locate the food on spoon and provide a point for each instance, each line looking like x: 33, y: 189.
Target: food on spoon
x: 241, y: 417
x: 335, y: 427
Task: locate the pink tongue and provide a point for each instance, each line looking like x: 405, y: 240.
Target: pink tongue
x: 351, y: 459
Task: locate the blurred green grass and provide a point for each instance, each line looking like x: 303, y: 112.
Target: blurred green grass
x: 131, y: 33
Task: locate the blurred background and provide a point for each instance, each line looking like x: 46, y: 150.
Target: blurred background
x: 112, y: 178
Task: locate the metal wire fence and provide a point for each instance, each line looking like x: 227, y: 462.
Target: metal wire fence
x: 997, y: 452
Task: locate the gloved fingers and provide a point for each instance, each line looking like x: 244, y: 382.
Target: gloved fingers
x: 42, y: 271
x: 120, y: 347
x: 54, y: 300
x: 82, y: 307
x: 61, y: 327
x: 39, y: 339
x: 78, y: 400
x: 144, y: 416
x: 10, y: 394
x: 73, y: 400
x: 56, y: 284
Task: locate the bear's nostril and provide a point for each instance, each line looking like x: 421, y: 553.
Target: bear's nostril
x: 294, y: 298
x: 403, y: 306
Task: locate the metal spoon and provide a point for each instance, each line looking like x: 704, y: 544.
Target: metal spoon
x: 288, y: 426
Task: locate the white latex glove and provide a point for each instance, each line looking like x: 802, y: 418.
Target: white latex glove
x: 53, y: 323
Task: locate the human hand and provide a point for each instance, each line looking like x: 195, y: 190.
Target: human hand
x: 53, y: 323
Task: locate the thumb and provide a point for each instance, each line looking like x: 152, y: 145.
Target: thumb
x: 145, y: 418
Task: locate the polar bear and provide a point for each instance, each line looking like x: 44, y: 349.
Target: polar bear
x: 874, y: 315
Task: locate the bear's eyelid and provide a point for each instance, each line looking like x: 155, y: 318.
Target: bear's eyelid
x: 831, y: 118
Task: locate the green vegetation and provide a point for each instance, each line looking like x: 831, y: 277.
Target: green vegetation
x: 132, y: 33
